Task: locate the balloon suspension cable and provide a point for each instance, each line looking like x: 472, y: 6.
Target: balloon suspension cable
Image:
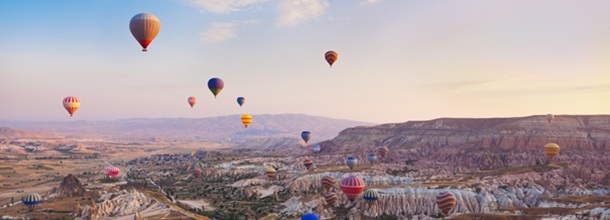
x: 144, y: 50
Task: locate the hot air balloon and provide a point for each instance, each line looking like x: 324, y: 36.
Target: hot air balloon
x: 372, y: 157
x: 246, y: 119
x: 370, y: 195
x: 351, y: 162
x: 306, y: 135
x: 308, y: 164
x: 550, y: 117
x: 192, y: 101
x: 352, y: 186
x: 199, y: 154
x: 331, y: 57
x: 197, y: 170
x: 270, y: 171
x: 71, y: 104
x: 316, y: 148
x: 330, y: 198
x: 215, y: 85
x: 551, y: 149
x: 445, y: 201
x: 111, y: 172
x: 310, y: 216
x: 383, y: 151
x: 144, y: 27
x: 328, y: 182
x: 240, y: 101
x: 31, y: 200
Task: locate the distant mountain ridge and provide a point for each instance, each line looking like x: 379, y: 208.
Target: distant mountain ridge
x: 264, y: 129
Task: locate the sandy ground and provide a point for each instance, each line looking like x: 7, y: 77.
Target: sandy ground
x: 198, y: 204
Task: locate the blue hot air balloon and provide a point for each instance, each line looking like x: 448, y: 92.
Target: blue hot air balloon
x: 351, y: 162
x: 310, y: 216
x: 31, y: 200
x: 316, y: 148
x: 306, y: 135
x: 215, y: 85
x: 241, y: 100
x: 372, y: 157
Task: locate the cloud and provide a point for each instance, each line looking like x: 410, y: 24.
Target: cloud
x: 223, y: 6
x: 296, y: 11
x: 369, y: 2
x: 223, y: 31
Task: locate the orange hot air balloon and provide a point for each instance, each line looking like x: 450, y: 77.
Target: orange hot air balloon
x: 331, y: 57
x: 71, y: 104
x: 144, y: 27
x: 551, y: 150
x: 192, y: 101
x: 246, y: 119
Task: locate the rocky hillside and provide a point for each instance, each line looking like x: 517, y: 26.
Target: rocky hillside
x: 70, y: 186
x: 7, y: 132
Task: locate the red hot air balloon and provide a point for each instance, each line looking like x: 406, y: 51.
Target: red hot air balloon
x: 328, y: 182
x: 308, y: 164
x: 71, y: 104
x: 192, y: 101
x: 144, y: 27
x: 111, y: 172
x: 352, y: 186
x: 445, y: 201
x: 331, y: 57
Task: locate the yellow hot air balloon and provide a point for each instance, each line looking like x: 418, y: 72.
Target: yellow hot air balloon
x: 551, y: 149
x: 246, y: 119
x: 270, y: 171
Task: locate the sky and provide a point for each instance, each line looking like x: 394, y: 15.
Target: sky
x: 398, y: 60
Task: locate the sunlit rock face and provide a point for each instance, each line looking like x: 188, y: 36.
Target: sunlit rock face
x: 121, y: 203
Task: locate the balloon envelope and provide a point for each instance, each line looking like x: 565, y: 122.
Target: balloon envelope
x: 328, y: 182
x: 144, y: 27
x: 331, y: 57
x: 31, y: 199
x: 308, y: 164
x: 352, y: 186
x: 445, y: 201
x: 383, y: 151
x: 310, y: 216
x: 330, y: 198
x: 370, y: 195
x: 351, y: 162
x: 270, y: 171
x: 372, y: 157
x: 246, y: 119
x: 71, y: 104
x: 306, y: 135
x: 316, y: 148
x: 551, y: 150
x: 192, y: 101
x: 241, y: 100
x: 216, y: 85
x: 550, y: 117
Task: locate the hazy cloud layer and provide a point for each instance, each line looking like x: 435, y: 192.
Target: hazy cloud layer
x: 368, y: 2
x: 223, y: 31
x: 223, y: 6
x: 296, y: 11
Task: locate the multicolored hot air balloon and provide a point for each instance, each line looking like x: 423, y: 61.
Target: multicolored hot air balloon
x: 316, y: 148
x: 71, y: 104
x: 551, y: 150
x: 192, y: 101
x: 331, y: 57
x: 445, y: 201
x: 308, y: 164
x: 310, y: 216
x: 246, y: 119
x: 144, y: 27
x: 306, y: 135
x: 215, y: 85
x: 370, y: 195
x: 31, y: 200
x: 111, y: 172
x: 351, y: 162
x: 372, y: 158
x: 383, y: 151
x: 352, y: 186
x: 270, y: 171
x: 241, y: 101
x: 328, y: 182
x: 550, y: 117
x: 330, y: 198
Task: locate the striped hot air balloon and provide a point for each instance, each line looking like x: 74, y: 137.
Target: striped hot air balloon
x: 331, y: 57
x: 216, y: 85
x: 246, y: 119
x: 352, y: 186
x: 351, y: 162
x: 383, y: 151
x: 370, y: 195
x: 316, y: 148
x: 445, y: 201
x: 330, y: 198
x: 372, y: 157
x: 31, y: 200
x: 551, y: 150
x: 241, y: 101
x: 71, y: 104
x: 144, y: 27
x: 111, y: 172
x: 328, y: 182
x: 306, y: 135
x: 192, y: 101
x: 308, y: 164
x: 270, y: 171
